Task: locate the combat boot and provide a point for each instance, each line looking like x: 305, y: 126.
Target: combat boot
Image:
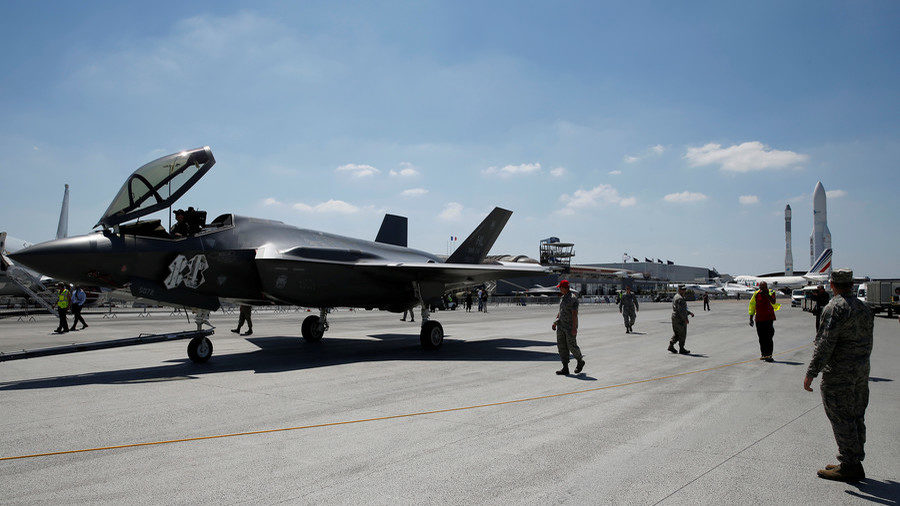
x: 684, y: 351
x: 579, y: 366
x: 672, y: 348
x: 843, y: 472
x: 564, y: 371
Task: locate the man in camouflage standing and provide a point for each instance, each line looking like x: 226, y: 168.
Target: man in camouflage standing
x: 843, y: 348
x: 628, y: 305
x: 566, y: 327
x: 680, y: 314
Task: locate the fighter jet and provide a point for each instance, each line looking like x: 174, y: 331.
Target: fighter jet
x: 257, y: 261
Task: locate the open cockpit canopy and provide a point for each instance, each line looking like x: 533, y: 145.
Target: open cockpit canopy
x: 157, y: 185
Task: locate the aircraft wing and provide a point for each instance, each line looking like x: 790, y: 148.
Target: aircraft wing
x: 450, y: 273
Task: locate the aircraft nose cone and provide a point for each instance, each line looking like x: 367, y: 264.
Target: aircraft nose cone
x: 53, y: 258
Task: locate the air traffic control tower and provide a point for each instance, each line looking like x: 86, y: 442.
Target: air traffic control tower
x: 555, y: 254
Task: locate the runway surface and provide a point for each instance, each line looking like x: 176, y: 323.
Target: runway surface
x: 366, y: 416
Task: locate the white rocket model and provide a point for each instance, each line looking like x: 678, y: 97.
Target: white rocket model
x: 788, y: 255
x: 820, y: 240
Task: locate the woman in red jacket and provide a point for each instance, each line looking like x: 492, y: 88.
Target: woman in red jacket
x: 761, y: 305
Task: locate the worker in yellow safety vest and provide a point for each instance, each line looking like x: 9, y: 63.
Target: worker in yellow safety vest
x: 63, y: 298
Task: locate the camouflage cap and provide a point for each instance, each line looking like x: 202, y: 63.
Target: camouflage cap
x: 842, y: 276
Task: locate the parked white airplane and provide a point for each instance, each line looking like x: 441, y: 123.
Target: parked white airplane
x: 818, y: 273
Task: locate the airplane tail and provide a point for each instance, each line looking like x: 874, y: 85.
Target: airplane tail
x: 62, y: 230
x: 481, y: 240
x: 823, y: 264
x: 394, y: 230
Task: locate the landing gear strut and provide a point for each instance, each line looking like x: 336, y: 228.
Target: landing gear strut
x: 314, y: 327
x: 432, y: 334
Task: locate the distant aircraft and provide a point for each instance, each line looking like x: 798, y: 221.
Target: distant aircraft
x: 818, y: 273
x: 257, y: 261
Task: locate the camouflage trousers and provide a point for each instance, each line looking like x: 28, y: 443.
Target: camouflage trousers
x: 629, y: 315
x: 679, y: 332
x: 845, y: 400
x: 566, y: 343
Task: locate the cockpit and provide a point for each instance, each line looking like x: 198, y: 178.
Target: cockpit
x: 156, y: 186
x: 155, y: 228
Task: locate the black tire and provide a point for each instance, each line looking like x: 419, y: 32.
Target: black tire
x: 432, y: 335
x: 310, y: 329
x: 199, y: 350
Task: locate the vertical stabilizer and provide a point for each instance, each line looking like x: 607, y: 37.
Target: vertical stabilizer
x: 822, y: 264
x: 394, y: 230
x: 481, y: 240
x: 62, y: 230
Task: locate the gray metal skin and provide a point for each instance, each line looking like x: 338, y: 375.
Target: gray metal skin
x: 319, y: 270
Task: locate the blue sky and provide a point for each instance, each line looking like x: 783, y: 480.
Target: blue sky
x: 623, y: 128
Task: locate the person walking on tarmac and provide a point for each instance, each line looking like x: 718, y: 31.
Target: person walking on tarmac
x: 78, y: 300
x: 821, y: 299
x: 680, y: 322
x: 245, y: 315
x: 842, y: 354
x: 763, y: 306
x: 706, y: 301
x: 63, y: 299
x: 566, y: 327
x: 628, y: 306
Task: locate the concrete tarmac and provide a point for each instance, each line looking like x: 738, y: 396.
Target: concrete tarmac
x: 639, y: 426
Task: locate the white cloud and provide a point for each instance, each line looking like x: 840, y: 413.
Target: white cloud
x: 414, y: 192
x: 747, y: 200
x: 835, y: 194
x: 406, y: 170
x: 513, y: 170
x: 332, y: 206
x: 452, y: 212
x: 357, y: 170
x: 685, y: 197
x: 558, y: 172
x: 615, y: 172
x: 651, y: 151
x: 272, y: 202
x: 746, y: 157
x: 595, y: 197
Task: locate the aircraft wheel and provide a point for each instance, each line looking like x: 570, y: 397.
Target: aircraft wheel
x: 199, y: 350
x: 310, y: 329
x: 432, y: 335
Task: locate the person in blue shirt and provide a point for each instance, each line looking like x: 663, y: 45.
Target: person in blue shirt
x: 78, y: 300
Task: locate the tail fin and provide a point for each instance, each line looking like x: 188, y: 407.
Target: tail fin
x: 394, y: 230
x: 62, y: 230
x: 823, y: 264
x: 481, y: 240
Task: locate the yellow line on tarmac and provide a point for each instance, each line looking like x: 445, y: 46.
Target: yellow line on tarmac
x: 390, y: 417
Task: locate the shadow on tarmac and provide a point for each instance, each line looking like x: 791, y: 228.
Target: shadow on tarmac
x: 786, y: 362
x: 290, y: 353
x: 875, y: 379
x: 881, y: 492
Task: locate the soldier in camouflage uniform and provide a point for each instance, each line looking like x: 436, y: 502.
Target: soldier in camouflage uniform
x: 680, y: 314
x: 628, y: 305
x: 566, y: 327
x: 843, y: 348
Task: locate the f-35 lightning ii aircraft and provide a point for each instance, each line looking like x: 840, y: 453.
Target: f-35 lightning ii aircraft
x: 260, y: 262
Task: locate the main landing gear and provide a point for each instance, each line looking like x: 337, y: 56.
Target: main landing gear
x: 200, y: 349
x: 432, y: 334
x: 314, y: 327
